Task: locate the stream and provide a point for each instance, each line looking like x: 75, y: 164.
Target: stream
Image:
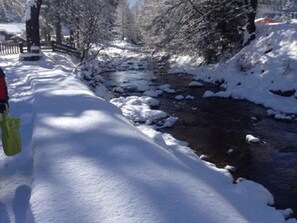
x: 217, y: 128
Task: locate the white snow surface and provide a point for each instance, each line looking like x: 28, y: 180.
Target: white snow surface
x: 83, y: 161
x: 138, y: 109
x: 15, y: 28
x: 268, y: 64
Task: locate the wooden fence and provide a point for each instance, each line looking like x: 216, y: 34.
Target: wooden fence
x: 64, y: 49
x: 15, y: 48
x: 9, y: 48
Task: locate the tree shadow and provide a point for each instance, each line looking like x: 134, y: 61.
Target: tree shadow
x: 4, y: 218
x: 21, y: 206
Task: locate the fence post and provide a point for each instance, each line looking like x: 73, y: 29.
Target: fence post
x: 21, y: 45
x: 53, y: 45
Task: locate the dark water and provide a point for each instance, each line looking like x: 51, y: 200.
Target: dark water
x: 214, y: 126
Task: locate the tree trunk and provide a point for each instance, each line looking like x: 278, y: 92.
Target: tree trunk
x: 251, y: 15
x: 32, y: 26
x: 58, y: 29
x: 57, y: 22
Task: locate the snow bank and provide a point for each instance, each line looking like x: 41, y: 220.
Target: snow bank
x: 264, y: 72
x: 92, y: 165
x: 137, y: 109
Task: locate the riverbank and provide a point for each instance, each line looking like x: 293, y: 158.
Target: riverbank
x: 263, y: 72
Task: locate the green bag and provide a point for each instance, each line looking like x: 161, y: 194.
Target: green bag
x: 11, y: 138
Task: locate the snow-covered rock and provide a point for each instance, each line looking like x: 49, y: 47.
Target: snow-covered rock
x: 230, y: 168
x: 137, y: 109
x: 208, y: 94
x: 230, y: 151
x: 153, y: 93
x: 195, y: 84
x: 167, y: 88
x: 169, y: 122
x: 179, y: 97
x: 204, y: 157
x: 190, y: 97
x: 252, y: 139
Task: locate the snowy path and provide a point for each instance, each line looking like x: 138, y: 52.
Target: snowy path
x: 92, y: 165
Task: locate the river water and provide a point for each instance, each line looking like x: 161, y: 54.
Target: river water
x: 217, y: 128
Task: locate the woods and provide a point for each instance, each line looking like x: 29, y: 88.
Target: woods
x: 212, y: 29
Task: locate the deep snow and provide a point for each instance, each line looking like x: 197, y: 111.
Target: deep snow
x: 83, y: 161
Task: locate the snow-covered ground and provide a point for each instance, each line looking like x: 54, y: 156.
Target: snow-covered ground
x: 83, y: 161
x: 262, y: 73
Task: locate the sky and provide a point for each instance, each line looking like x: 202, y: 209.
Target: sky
x: 133, y: 2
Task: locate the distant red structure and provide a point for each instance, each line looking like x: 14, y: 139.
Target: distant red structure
x: 264, y: 21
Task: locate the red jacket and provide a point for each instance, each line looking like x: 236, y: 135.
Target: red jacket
x: 3, y: 91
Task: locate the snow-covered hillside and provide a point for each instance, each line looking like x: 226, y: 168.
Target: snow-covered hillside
x: 82, y: 161
x: 265, y: 72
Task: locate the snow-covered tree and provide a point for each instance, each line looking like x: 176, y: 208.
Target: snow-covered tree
x: 91, y: 21
x: 12, y: 10
x: 51, y: 17
x: 288, y: 9
x: 125, y: 27
x: 212, y: 28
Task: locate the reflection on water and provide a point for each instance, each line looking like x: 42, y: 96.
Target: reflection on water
x: 214, y: 126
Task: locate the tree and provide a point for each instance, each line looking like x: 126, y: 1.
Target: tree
x: 125, y: 26
x: 91, y: 21
x: 32, y: 23
x: 211, y: 28
x: 12, y: 10
x: 251, y: 9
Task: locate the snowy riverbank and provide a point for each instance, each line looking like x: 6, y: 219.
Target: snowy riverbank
x: 264, y: 72
x: 82, y: 161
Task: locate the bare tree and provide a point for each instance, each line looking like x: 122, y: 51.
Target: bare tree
x: 211, y: 28
x: 125, y: 26
x: 91, y: 21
